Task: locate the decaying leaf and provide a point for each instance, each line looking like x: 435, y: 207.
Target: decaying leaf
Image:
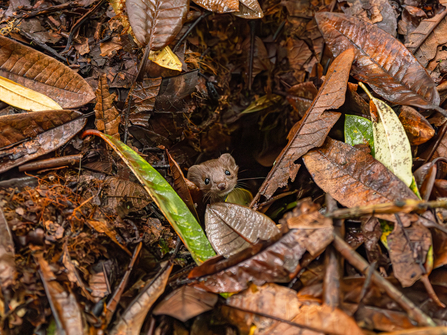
x: 186, y: 303
x: 336, y: 165
x: 261, y: 61
x: 132, y: 319
x: 249, y: 9
x: 17, y: 127
x: 103, y: 227
x: 66, y: 310
x: 107, y: 117
x: 40, y: 145
x: 176, y: 88
x: 144, y: 94
x: 7, y: 263
x: 311, y: 131
x: 298, y: 53
x: 276, y: 260
x: 21, y: 97
x: 380, y: 60
x: 232, y: 228
x: 255, y: 305
x: 156, y: 23
x: 408, y: 252
x: 43, y: 74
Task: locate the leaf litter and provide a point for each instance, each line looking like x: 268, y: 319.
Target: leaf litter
x: 104, y: 234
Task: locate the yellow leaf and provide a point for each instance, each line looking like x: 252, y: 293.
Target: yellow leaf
x: 21, y: 97
x: 166, y: 58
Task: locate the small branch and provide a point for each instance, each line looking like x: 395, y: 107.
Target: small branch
x: 360, y: 264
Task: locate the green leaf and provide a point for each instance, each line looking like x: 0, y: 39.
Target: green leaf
x: 358, y: 130
x: 392, y: 147
x: 169, y: 202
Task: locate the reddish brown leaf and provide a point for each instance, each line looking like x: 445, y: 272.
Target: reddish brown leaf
x: 17, y: 127
x: 298, y: 53
x: 107, y: 117
x: 311, y: 131
x: 274, y: 261
x: 355, y: 178
x: 43, y: 74
x: 416, y: 126
x: 282, y: 303
x: 380, y: 60
x: 156, y: 22
x: 186, y: 303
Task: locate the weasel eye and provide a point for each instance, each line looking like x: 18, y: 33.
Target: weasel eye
x: 207, y: 181
x: 227, y: 172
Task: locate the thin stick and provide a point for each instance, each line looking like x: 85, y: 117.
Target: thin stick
x: 360, y: 264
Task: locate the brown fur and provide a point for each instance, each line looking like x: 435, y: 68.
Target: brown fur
x: 220, y: 184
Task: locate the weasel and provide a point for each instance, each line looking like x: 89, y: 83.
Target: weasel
x: 216, y: 177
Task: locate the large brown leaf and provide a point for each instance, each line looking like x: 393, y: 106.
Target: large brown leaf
x: 219, y: 6
x: 274, y: 261
x: 43, y: 74
x: 380, y: 60
x: 231, y: 228
x: 355, y: 178
x: 40, y: 145
x: 311, y: 131
x: 155, y: 23
x: 282, y: 303
x: 17, y: 127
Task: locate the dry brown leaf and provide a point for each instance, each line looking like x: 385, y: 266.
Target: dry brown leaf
x: 65, y: 308
x: 107, y: 117
x: 43, y: 74
x: 156, y: 23
x: 133, y: 317
x: 380, y: 60
x: 219, y: 6
x: 282, y: 303
x: 103, y: 227
x: 231, y: 228
x: 311, y: 131
x: 7, y: 262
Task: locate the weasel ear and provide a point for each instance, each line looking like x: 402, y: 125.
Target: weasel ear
x: 194, y: 173
x: 228, y: 158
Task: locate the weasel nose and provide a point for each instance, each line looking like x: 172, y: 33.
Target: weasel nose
x: 221, y: 186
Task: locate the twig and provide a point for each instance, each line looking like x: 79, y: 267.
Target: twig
x: 360, y: 264
x: 196, y: 22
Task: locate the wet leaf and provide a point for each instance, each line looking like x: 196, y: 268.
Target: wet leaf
x: 416, y: 126
x: 43, y: 74
x: 172, y: 206
x: 391, y: 145
x: 21, y: 97
x: 166, y: 58
x: 40, y: 145
x: 311, y: 131
x: 186, y: 303
x: 107, y: 117
x: 219, y: 6
x: 355, y: 178
x: 276, y: 260
x: 17, y: 127
x: 380, y: 60
x: 133, y: 317
x: 7, y: 263
x: 358, y: 130
x: 282, y: 303
x: 65, y: 308
x: 232, y: 228
x: 156, y: 23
